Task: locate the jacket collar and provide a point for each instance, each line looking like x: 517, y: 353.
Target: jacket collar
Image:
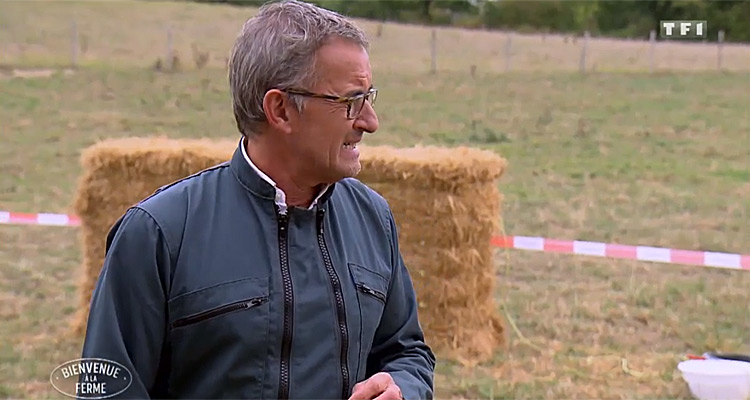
x: 244, y: 172
x: 258, y: 183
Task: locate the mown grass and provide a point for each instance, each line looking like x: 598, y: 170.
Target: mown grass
x: 634, y: 158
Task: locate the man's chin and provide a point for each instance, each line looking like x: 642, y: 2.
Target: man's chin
x: 355, y: 170
x: 350, y: 171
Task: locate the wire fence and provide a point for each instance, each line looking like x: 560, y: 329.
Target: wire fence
x: 187, y: 46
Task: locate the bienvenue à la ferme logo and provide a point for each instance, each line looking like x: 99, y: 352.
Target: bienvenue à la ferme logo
x: 91, y: 378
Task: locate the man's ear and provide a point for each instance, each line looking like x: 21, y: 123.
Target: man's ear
x: 275, y: 105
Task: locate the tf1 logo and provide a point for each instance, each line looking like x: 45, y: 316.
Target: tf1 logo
x: 680, y: 29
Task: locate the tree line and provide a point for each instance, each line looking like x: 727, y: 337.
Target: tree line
x: 613, y: 18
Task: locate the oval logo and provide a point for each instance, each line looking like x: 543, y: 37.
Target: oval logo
x: 91, y: 378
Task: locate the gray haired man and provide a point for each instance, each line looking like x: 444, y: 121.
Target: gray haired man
x: 276, y: 274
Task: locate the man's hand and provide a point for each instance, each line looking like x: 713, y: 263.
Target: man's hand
x: 379, y: 387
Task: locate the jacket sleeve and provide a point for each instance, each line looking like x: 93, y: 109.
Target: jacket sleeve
x: 127, y: 316
x: 399, y: 347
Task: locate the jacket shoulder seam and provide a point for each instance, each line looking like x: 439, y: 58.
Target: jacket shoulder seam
x: 378, y: 201
x: 385, y: 214
x: 161, y: 228
x: 184, y: 179
x: 383, y: 209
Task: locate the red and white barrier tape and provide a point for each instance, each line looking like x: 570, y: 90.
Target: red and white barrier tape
x: 38, y: 219
x: 641, y: 253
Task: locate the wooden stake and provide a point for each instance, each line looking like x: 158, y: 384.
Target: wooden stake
x: 651, y: 48
x: 433, y: 43
x: 582, y: 65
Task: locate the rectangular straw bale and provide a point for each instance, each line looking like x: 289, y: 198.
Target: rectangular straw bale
x: 447, y: 207
x: 445, y: 201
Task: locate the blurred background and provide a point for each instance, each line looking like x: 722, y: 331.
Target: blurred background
x: 612, y: 133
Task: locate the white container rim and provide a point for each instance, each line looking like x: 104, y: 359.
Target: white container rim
x: 715, y: 367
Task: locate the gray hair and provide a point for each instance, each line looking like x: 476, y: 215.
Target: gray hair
x: 276, y: 49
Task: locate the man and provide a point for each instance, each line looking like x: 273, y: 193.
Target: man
x: 275, y: 274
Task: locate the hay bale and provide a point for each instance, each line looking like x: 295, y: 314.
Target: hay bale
x: 445, y: 201
x: 447, y: 207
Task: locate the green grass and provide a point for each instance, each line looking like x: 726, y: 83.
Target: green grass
x: 659, y: 160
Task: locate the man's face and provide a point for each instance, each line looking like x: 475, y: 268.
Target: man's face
x: 323, y: 139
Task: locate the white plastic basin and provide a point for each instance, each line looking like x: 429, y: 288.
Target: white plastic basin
x: 716, y: 379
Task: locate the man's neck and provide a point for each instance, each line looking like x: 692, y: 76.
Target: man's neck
x: 277, y: 167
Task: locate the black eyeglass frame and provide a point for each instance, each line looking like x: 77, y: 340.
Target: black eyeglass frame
x: 368, y: 96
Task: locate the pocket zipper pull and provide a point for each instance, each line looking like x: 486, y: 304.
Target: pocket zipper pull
x: 371, y: 292
x: 255, y: 302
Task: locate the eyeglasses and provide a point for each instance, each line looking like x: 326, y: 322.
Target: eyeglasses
x: 354, y: 104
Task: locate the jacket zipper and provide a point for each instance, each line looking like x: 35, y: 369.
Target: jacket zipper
x: 372, y: 292
x: 341, y: 310
x: 286, y: 340
x: 202, y: 316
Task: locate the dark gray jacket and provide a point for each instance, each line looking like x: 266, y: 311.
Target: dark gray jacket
x: 208, y: 291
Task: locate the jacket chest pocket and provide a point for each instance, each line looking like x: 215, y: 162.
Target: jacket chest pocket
x: 371, y: 289
x: 239, y: 305
x: 224, y: 329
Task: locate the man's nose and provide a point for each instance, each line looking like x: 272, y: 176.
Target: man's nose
x: 367, y: 120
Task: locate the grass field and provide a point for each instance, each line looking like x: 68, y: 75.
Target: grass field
x: 629, y: 157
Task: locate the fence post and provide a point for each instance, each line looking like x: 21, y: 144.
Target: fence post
x: 433, y: 52
x: 74, y: 44
x: 582, y: 65
x: 3, y: 51
x: 170, y: 50
x: 721, y: 46
x: 651, y: 48
x: 508, y: 45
